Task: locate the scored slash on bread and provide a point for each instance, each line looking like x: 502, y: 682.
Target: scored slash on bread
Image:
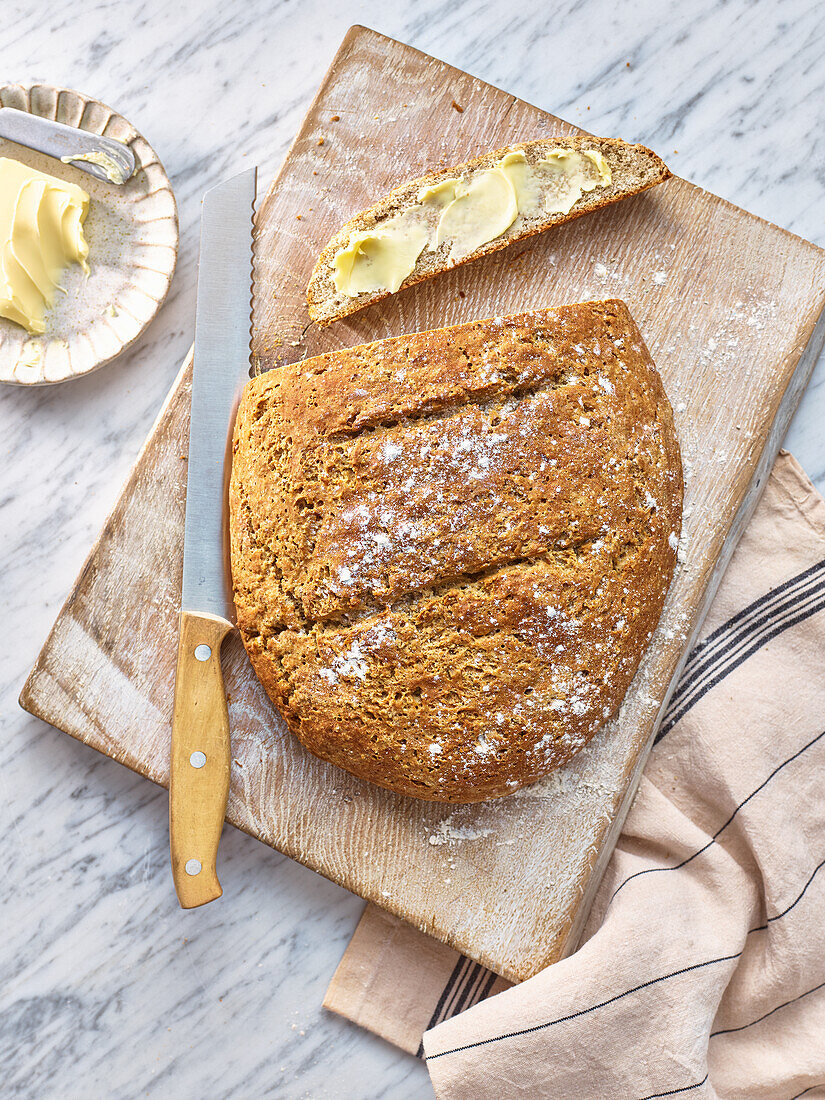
x: 633, y: 168
x: 450, y: 549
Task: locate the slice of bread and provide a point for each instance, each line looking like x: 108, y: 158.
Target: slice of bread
x: 633, y: 168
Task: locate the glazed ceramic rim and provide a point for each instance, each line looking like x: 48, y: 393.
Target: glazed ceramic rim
x: 81, y: 355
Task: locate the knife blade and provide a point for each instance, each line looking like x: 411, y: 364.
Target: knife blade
x: 199, y: 773
x: 115, y: 161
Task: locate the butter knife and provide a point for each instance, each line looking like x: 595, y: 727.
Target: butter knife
x: 103, y: 157
x: 199, y: 775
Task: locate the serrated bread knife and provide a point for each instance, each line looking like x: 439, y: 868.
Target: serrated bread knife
x: 199, y: 775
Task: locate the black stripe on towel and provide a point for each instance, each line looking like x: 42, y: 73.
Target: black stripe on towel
x: 777, y: 620
x: 471, y: 986
x: 469, y: 983
x: 753, y: 1023
x: 744, y: 620
x: 587, y: 1011
x: 459, y: 970
x: 673, y: 1092
x: 794, y: 903
x: 721, y: 829
x: 742, y: 636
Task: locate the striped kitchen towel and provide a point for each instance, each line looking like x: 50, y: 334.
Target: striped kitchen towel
x: 702, y: 967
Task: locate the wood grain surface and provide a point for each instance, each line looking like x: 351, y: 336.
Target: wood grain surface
x: 201, y: 759
x: 728, y: 306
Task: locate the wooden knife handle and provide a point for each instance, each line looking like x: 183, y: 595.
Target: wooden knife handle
x: 199, y: 775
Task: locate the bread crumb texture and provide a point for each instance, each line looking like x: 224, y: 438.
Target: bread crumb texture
x: 450, y: 549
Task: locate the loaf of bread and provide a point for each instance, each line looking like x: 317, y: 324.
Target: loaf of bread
x: 570, y: 176
x: 450, y: 550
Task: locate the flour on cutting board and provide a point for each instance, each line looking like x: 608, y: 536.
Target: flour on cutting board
x: 564, y: 781
x: 448, y: 833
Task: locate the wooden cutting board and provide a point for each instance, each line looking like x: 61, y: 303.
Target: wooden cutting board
x: 728, y: 305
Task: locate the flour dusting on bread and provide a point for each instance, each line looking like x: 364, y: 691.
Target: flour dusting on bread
x: 450, y: 549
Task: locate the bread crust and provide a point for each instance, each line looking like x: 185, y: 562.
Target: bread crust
x: 614, y: 149
x: 450, y: 550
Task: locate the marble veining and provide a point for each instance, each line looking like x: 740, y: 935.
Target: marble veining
x: 108, y: 989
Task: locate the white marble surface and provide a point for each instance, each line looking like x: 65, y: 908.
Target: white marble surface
x: 108, y: 989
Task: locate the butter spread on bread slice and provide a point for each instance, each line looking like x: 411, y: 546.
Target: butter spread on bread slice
x: 439, y: 221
